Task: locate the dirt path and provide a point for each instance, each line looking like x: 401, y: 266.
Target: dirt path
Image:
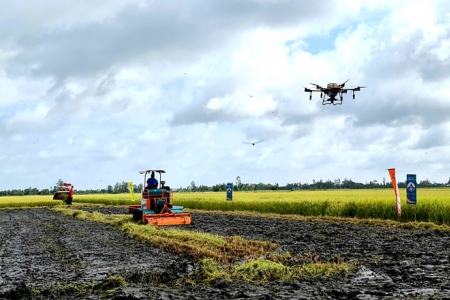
x: 41, y: 249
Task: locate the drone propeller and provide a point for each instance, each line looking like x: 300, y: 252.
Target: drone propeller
x: 342, y: 85
x: 316, y: 85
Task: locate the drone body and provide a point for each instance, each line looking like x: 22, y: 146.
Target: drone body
x: 332, y: 90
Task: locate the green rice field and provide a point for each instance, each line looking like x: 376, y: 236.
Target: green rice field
x: 433, y: 204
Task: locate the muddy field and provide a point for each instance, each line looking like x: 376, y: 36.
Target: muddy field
x: 65, y: 258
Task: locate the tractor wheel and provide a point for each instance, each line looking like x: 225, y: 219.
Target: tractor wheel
x: 137, y: 215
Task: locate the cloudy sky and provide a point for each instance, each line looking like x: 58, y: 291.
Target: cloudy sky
x: 93, y: 93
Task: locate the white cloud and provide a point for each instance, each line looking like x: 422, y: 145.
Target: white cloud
x: 129, y: 86
x: 242, y: 104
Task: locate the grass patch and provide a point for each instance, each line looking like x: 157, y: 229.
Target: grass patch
x: 263, y: 270
x: 272, y: 268
x: 113, y: 220
x: 210, y: 272
x: 102, y: 288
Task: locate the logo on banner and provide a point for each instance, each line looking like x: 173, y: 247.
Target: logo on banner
x: 411, y: 187
x: 229, y: 191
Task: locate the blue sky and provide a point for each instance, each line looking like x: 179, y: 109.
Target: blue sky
x: 317, y: 43
x: 92, y: 94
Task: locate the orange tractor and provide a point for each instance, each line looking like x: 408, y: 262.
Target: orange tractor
x: 157, y: 205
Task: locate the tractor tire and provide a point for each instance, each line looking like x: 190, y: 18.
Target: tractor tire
x: 137, y: 215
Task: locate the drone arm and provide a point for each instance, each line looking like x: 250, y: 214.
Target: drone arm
x: 310, y: 91
x: 355, y: 89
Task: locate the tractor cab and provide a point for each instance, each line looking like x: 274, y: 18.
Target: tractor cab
x: 157, y: 204
x: 161, y: 183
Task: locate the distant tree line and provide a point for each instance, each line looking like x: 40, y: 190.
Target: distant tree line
x: 315, y: 185
x: 122, y: 187
x: 118, y: 188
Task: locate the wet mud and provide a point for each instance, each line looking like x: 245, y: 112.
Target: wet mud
x: 45, y: 255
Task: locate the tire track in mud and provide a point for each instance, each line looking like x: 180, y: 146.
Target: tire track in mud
x: 42, y: 248
x: 5, y: 238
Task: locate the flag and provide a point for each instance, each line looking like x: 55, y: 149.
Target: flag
x: 397, y: 195
x: 131, y: 188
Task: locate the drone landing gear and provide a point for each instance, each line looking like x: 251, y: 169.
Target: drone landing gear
x: 332, y: 101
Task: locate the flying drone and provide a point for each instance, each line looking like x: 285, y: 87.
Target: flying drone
x: 253, y: 144
x: 332, y: 91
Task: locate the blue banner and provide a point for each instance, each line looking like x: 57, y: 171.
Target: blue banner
x: 229, y: 191
x: 411, y: 189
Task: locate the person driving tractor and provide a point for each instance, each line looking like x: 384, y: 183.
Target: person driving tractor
x: 152, y: 182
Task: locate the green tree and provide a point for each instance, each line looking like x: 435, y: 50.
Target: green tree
x: 124, y: 187
x: 117, y: 188
x: 238, y: 185
x: 193, y: 186
x: 274, y: 187
x: 60, y: 182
